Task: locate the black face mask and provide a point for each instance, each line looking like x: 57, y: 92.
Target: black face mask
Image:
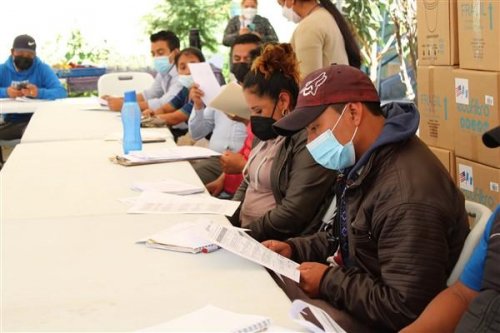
x: 239, y: 70
x: 262, y: 127
x: 23, y: 63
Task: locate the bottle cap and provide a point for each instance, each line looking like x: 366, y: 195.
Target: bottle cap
x: 130, y: 96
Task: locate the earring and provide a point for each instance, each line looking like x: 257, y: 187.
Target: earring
x: 285, y: 112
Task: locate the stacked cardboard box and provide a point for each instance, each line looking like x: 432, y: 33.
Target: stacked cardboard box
x: 458, y: 104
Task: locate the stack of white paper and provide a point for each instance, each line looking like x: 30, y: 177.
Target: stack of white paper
x: 182, y: 237
x: 180, y: 153
x: 150, y: 202
x: 213, y: 319
x: 327, y: 322
x: 168, y: 186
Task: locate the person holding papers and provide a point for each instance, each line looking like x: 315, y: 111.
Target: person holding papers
x: 284, y: 193
x: 228, y: 134
x: 400, y: 220
x: 179, y: 108
x: 24, y: 75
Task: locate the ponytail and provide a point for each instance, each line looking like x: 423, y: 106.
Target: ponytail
x: 351, y: 47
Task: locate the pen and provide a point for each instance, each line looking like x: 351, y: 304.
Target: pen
x: 209, y: 248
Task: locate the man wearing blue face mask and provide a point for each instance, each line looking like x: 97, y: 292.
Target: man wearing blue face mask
x: 400, y: 220
x: 164, y: 47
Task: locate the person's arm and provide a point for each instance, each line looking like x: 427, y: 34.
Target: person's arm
x: 413, y: 257
x: 232, y: 31
x: 165, y: 97
x: 173, y: 118
x: 296, y: 211
x: 201, y: 123
x: 308, y: 46
x: 444, y: 312
x: 51, y: 87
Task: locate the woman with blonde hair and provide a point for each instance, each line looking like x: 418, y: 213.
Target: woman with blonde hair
x: 284, y: 192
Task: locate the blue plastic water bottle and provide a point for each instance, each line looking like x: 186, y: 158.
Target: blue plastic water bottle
x: 131, y: 119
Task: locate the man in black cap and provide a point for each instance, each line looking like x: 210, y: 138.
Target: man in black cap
x: 400, y: 220
x: 472, y: 304
x: 25, y: 75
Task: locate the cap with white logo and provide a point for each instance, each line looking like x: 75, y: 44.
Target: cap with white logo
x: 24, y: 43
x: 330, y: 85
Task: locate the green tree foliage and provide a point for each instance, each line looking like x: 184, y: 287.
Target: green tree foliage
x: 385, y: 26
x: 180, y: 16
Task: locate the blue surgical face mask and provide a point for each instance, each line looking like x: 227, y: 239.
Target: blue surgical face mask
x: 186, y: 80
x: 328, y: 152
x: 162, y: 64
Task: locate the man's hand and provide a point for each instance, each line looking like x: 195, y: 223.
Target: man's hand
x: 148, y: 113
x: 195, y: 94
x: 115, y: 103
x: 232, y: 163
x: 310, y: 277
x: 217, y: 186
x: 30, y: 91
x: 279, y: 247
x: 12, y: 92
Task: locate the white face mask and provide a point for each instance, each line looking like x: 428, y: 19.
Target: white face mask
x: 249, y: 13
x: 290, y: 14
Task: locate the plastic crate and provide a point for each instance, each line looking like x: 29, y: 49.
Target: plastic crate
x: 81, y: 72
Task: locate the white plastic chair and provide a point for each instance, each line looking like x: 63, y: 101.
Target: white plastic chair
x: 482, y: 214
x: 115, y: 84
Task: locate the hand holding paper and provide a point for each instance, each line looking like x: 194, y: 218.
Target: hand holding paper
x: 204, y: 76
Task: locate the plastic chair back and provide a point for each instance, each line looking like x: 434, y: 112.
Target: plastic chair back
x: 482, y: 214
x: 115, y: 84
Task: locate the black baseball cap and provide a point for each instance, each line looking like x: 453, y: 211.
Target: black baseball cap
x: 491, y: 139
x: 24, y: 43
x: 330, y: 85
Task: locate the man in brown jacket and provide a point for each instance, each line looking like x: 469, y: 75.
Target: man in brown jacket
x: 400, y: 222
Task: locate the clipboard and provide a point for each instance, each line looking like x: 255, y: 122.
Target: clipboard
x: 231, y: 101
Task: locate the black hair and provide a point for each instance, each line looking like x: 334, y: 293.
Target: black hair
x: 167, y: 36
x: 274, y: 71
x: 247, y: 39
x: 351, y: 46
x: 190, y: 51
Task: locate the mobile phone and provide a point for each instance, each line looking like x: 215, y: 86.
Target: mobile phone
x: 19, y: 85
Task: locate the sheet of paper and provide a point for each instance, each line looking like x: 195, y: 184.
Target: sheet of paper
x: 183, y: 236
x: 204, y: 76
x: 239, y: 242
x: 213, y: 319
x: 150, y: 202
x: 168, y: 186
x: 173, y: 153
x: 329, y: 325
x: 231, y: 101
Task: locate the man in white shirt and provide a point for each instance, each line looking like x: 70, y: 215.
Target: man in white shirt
x: 164, y: 47
x: 227, y: 134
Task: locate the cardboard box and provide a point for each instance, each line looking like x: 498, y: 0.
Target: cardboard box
x: 435, y: 96
x: 478, y: 182
x: 476, y: 103
x: 479, y: 34
x: 437, y: 31
x: 447, y: 157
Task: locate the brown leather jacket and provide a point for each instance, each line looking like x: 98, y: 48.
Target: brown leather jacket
x: 303, y: 191
x: 406, y: 227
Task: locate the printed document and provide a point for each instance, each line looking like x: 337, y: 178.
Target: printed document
x: 213, y: 319
x: 204, y: 76
x: 150, y: 202
x: 168, y: 186
x: 329, y: 325
x: 173, y: 154
x: 239, y: 242
x: 231, y: 101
